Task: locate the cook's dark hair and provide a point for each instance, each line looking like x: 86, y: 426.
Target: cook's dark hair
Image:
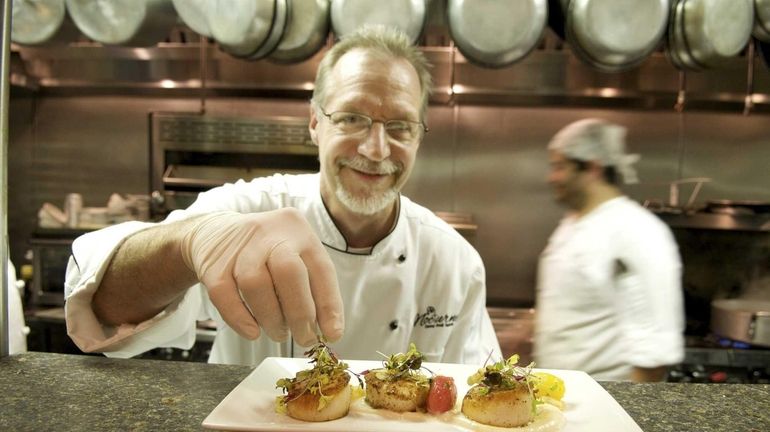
x: 609, y: 173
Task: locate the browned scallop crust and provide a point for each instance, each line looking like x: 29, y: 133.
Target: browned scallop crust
x: 305, y: 406
x: 503, y: 408
x: 403, y: 395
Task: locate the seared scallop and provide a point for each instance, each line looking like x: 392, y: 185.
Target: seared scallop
x: 399, y: 395
x: 305, y: 405
x: 499, y: 407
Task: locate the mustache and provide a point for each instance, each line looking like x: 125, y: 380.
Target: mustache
x: 365, y: 165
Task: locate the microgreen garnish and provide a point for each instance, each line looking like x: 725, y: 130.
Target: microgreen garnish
x: 504, y: 375
x: 326, y: 369
x: 402, y: 366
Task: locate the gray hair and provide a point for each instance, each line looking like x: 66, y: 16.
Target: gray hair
x: 380, y: 39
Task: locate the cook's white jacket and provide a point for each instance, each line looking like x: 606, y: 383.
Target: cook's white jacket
x: 423, y: 283
x: 609, y: 293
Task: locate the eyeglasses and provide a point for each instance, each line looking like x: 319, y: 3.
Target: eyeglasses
x: 350, y: 123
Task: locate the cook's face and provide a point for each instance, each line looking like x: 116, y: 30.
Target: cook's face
x: 565, y: 179
x: 365, y: 171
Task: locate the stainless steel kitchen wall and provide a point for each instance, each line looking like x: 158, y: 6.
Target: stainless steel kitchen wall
x: 489, y: 161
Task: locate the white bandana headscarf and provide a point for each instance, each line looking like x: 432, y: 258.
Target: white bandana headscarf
x: 597, y: 140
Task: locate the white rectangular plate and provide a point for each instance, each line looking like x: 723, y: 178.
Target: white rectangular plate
x: 251, y: 404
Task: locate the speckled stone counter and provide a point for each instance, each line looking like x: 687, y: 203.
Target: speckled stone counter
x: 56, y: 392
x: 678, y: 407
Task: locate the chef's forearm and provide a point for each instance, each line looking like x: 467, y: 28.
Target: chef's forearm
x: 657, y: 374
x: 144, y: 276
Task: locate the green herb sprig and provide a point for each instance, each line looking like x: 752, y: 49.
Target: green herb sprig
x: 403, y: 366
x: 326, y: 368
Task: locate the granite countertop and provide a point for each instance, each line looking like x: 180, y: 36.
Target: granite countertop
x: 60, y: 392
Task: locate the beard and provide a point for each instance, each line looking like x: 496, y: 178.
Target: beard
x: 570, y: 196
x: 371, y: 201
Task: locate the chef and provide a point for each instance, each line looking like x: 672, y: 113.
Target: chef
x: 609, y: 298
x: 339, y: 253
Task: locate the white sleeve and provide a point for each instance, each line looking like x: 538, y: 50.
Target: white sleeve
x: 475, y: 338
x: 91, y: 255
x: 651, y: 301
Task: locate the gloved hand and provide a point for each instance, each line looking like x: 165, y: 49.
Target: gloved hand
x: 266, y: 270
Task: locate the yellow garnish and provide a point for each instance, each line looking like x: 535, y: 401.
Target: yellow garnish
x: 548, y: 385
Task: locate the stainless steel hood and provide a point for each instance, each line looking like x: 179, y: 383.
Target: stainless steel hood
x: 550, y: 75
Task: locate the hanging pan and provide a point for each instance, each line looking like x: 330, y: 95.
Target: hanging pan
x: 193, y: 14
x: 123, y: 22
x: 615, y: 35
x: 706, y: 33
x: 407, y: 15
x: 41, y: 22
x: 761, y: 29
x: 510, y: 29
x: 306, y: 31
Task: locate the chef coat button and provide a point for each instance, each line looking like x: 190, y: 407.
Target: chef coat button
x: 401, y: 258
x: 393, y: 324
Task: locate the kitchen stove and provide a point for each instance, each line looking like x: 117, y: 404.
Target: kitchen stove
x: 715, y: 359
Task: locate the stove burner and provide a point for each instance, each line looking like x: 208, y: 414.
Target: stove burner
x: 716, y: 359
x: 729, y: 343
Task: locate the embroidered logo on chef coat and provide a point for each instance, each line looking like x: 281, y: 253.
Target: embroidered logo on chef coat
x: 432, y: 319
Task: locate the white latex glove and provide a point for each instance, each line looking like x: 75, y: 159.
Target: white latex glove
x: 266, y: 270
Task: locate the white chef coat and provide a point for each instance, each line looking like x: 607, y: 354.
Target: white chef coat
x: 423, y: 283
x: 609, y: 293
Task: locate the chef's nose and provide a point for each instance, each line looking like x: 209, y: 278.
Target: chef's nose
x: 375, y: 145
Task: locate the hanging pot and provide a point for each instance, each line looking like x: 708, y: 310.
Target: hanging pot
x: 407, y: 15
x: 123, y: 22
x: 761, y: 29
x: 712, y: 31
x: 240, y: 27
x: 41, y: 22
x: 676, y: 46
x: 193, y: 14
x: 306, y: 31
x: 511, y: 29
x: 277, y: 28
x: 742, y: 320
x: 615, y: 35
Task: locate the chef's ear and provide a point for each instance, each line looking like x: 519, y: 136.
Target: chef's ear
x: 596, y: 169
x: 313, y: 125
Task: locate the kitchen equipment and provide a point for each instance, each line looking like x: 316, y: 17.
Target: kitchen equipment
x: 41, y: 21
x: 742, y: 320
x: 240, y: 27
x: 615, y: 35
x: 406, y: 15
x: 306, y: 31
x: 193, y: 14
x: 51, y: 249
x: 705, y: 33
x: 277, y: 29
x: 191, y: 153
x: 123, y: 22
x: 737, y: 207
x: 511, y: 29
x: 761, y: 29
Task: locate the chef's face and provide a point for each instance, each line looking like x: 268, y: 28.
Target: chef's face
x: 568, y: 182
x: 364, y: 170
